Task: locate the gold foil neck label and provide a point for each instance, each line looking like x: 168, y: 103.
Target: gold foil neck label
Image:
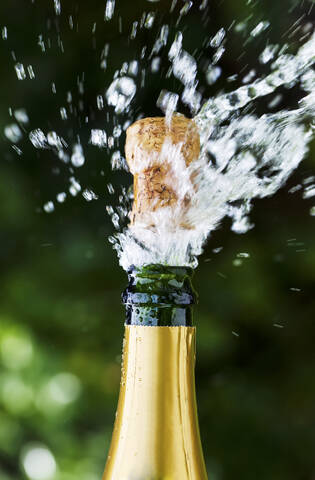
x: 156, y: 434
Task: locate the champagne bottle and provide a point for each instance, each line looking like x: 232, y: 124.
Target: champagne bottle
x: 156, y: 434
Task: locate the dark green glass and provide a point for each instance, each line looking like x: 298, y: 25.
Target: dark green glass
x: 159, y: 295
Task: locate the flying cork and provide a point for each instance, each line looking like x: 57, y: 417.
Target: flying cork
x: 155, y: 150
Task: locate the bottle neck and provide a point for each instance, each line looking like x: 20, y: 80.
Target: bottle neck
x: 159, y: 295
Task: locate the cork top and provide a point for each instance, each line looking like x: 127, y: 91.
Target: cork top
x: 155, y: 151
x: 146, y: 137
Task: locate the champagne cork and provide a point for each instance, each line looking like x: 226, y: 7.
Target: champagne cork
x: 150, y: 145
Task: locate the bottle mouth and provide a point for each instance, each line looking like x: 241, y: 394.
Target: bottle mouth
x: 157, y: 284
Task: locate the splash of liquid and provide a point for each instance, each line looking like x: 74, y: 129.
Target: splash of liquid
x: 242, y: 157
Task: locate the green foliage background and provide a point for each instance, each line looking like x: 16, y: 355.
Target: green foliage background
x: 61, y: 322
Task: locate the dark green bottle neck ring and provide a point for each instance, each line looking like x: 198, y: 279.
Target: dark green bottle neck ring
x: 159, y: 295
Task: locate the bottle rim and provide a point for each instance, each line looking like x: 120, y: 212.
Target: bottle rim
x: 159, y: 285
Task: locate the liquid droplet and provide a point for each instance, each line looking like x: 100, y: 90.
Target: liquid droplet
x: 77, y: 157
x: 54, y: 140
x: 63, y: 113
x: 268, y: 54
x: 21, y: 115
x: 75, y: 187
x: 98, y: 138
x: 216, y: 41
x: 49, y: 207
x: 167, y: 102
x: 38, y: 138
x: 155, y: 64
x: 4, y: 33
x: 13, y: 133
x: 212, y: 74
x: 61, y: 197
x: 149, y: 20
x: 57, y: 5
x: 30, y: 71
x: 109, y: 9
x: 89, y: 195
x: 261, y: 27
x: 117, y: 161
x: 20, y: 71
x: 117, y: 131
x: 100, y: 102
x: 120, y: 93
x: 309, y: 191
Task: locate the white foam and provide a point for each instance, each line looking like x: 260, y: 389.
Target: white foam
x: 243, y: 157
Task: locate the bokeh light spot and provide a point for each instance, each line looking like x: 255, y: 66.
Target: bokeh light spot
x: 16, y: 395
x: 16, y: 351
x: 39, y: 463
x: 64, y: 388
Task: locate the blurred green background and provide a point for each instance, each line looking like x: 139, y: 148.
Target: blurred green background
x: 61, y: 321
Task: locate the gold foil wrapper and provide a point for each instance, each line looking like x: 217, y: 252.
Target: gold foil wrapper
x: 156, y: 434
